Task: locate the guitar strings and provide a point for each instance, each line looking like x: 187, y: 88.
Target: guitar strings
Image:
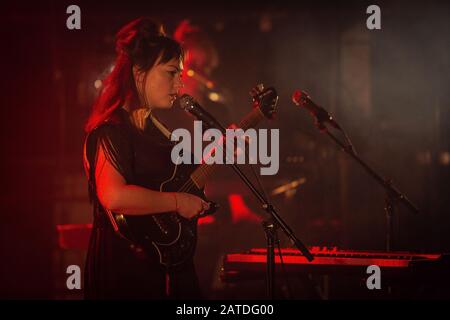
x: 190, y: 183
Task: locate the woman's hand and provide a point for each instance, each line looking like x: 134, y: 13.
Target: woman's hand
x: 189, y: 205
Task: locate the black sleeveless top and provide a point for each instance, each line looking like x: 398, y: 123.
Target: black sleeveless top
x: 113, y: 269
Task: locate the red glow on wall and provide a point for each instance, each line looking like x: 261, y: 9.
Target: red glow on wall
x: 74, y: 236
x: 240, y: 211
x: 206, y: 220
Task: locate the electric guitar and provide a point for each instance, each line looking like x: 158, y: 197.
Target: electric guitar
x: 171, y: 235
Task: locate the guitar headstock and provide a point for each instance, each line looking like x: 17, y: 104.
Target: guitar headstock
x: 265, y: 99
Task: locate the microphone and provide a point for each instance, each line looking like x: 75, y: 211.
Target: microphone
x: 190, y: 105
x: 302, y: 99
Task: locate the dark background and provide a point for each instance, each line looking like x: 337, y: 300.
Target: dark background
x: 388, y: 88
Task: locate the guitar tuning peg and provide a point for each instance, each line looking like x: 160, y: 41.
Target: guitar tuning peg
x: 260, y: 87
x: 256, y: 90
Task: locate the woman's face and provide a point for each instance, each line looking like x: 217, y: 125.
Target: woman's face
x: 162, y: 83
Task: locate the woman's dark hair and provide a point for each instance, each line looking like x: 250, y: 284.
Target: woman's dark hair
x: 140, y: 43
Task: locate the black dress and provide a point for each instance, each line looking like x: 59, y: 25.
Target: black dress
x: 113, y: 269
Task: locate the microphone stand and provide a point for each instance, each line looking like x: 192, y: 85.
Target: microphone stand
x: 270, y: 225
x: 393, y: 194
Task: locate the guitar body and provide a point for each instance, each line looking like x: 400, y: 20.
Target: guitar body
x: 172, y: 236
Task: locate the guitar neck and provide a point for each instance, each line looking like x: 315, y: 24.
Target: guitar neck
x: 204, y: 171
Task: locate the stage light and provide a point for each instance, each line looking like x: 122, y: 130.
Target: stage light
x: 98, y: 84
x: 444, y: 158
x: 213, y: 96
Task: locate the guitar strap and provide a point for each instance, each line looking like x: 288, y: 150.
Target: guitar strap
x: 166, y: 132
x: 139, y: 118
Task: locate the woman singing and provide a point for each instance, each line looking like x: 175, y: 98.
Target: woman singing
x: 125, y: 154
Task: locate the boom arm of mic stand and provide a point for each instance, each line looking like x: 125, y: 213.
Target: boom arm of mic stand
x: 386, y: 184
